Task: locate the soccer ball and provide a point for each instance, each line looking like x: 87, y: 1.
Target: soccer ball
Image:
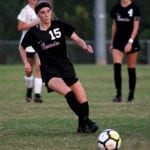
x: 109, y: 139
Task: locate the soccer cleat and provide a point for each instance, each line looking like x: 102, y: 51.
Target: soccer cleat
x: 28, y: 98
x: 29, y: 95
x: 37, y: 98
x: 83, y: 129
x: 117, y: 99
x: 87, y: 127
x: 130, y: 100
x: 91, y: 125
x: 130, y: 97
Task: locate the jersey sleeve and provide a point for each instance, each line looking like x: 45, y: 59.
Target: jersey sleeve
x: 22, y: 15
x: 137, y: 12
x: 67, y: 29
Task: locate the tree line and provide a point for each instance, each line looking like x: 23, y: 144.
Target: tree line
x: 76, y: 12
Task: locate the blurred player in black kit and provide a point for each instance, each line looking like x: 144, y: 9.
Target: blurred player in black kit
x: 48, y: 39
x: 125, y: 27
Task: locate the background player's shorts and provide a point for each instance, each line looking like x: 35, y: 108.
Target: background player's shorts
x: 30, y: 51
x: 121, y: 45
x: 30, y: 55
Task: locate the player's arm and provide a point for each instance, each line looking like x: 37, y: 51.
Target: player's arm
x: 134, y: 33
x: 25, y: 26
x: 27, y: 66
x: 113, y: 32
x: 80, y: 42
x: 135, y: 30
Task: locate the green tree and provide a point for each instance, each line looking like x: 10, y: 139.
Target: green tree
x: 79, y: 13
x: 8, y: 14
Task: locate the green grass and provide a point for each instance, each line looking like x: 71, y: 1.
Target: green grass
x: 52, y: 125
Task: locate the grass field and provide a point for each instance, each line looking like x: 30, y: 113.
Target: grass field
x: 52, y: 125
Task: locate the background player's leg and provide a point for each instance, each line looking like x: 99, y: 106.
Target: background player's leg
x: 117, y: 60
x: 29, y: 82
x: 37, y: 81
x: 132, y: 58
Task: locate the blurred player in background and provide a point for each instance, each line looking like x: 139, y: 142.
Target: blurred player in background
x: 27, y: 18
x: 49, y: 40
x: 125, y: 27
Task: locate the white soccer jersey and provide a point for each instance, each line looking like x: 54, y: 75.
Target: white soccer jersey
x: 27, y: 15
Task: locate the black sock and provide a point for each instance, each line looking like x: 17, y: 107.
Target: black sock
x: 118, y: 78
x: 29, y: 92
x: 75, y: 105
x: 85, y: 105
x: 132, y: 81
x: 37, y: 95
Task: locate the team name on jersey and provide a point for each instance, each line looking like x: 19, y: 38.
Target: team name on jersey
x: 47, y: 46
x: 121, y: 19
x: 125, y: 19
x: 54, y: 34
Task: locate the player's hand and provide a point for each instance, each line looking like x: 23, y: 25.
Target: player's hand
x: 27, y: 67
x: 110, y: 48
x: 89, y: 49
x: 128, y: 47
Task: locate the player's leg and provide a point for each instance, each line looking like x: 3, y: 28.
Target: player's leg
x: 29, y: 79
x: 59, y: 86
x: 80, y: 94
x: 79, y: 91
x: 117, y: 61
x: 132, y: 59
x: 37, y: 81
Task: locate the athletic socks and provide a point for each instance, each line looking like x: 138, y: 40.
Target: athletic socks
x: 118, y: 78
x: 85, y: 106
x: 75, y: 105
x: 37, y: 88
x: 29, y: 93
x: 28, y: 81
x: 132, y: 78
x: 37, y: 85
x: 85, y: 125
x: 132, y: 82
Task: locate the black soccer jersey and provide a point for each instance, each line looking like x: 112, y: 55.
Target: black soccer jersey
x: 124, y: 17
x: 51, y: 48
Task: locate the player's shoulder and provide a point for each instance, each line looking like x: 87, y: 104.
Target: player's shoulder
x: 134, y: 5
x: 57, y: 22
x: 116, y: 6
x: 34, y: 29
x: 26, y: 9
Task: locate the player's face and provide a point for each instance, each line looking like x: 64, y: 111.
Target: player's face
x: 45, y: 14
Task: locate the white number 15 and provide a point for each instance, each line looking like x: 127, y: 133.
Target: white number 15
x: 55, y: 34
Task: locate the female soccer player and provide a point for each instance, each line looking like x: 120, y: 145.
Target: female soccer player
x: 48, y: 39
x: 27, y: 18
x: 125, y: 27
